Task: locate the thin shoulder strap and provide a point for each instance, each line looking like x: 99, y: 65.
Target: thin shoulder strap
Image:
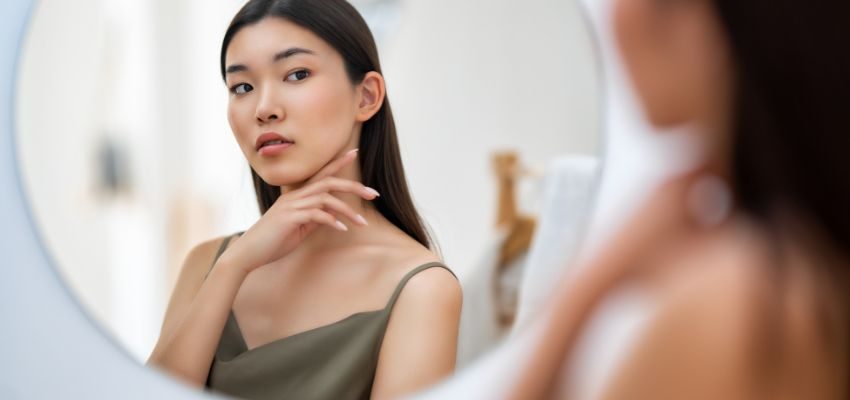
x: 221, y: 249
x: 409, y: 275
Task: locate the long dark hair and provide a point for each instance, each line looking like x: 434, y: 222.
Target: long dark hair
x: 341, y: 26
x: 791, y: 126
x: 792, y: 117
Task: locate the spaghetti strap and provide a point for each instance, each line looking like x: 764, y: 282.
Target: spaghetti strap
x: 221, y: 249
x: 409, y: 275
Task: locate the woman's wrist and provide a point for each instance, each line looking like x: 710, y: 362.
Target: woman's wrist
x: 228, y: 266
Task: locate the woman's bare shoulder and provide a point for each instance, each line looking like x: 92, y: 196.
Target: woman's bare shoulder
x: 701, y: 341
x: 729, y: 265
x: 195, y: 267
x: 402, y: 255
x: 397, y: 252
x: 427, y: 312
x: 201, y: 257
x: 721, y: 328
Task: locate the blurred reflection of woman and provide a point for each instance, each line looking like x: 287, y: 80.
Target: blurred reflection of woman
x: 331, y: 293
x: 751, y: 303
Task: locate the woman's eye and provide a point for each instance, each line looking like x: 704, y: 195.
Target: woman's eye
x: 241, y: 88
x: 299, y: 75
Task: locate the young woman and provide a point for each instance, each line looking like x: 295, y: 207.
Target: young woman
x: 331, y: 293
x: 753, y: 303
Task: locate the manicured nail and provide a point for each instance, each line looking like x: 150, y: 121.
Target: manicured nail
x: 353, y: 151
x: 359, y: 218
x: 341, y: 226
x: 373, y: 192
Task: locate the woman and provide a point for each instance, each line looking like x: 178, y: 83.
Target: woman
x: 331, y: 294
x: 750, y: 302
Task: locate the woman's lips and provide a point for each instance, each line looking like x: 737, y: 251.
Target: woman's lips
x: 272, y: 143
x: 274, y: 149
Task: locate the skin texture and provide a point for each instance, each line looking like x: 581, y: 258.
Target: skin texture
x: 721, y: 327
x: 321, y: 252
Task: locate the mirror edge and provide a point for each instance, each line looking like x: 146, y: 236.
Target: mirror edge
x: 50, y: 337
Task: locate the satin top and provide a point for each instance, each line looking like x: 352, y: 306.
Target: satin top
x: 333, y: 361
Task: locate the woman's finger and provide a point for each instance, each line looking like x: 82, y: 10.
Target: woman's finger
x: 329, y: 202
x: 332, y: 184
x: 315, y: 215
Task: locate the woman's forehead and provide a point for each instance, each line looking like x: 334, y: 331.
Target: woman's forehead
x: 262, y: 41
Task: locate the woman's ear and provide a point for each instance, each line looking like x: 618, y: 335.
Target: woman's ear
x: 370, y: 95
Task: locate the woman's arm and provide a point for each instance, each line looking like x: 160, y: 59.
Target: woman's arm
x: 199, y: 308
x: 196, y: 315
x: 420, y: 343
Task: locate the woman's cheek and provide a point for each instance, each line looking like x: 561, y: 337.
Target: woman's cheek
x: 329, y: 104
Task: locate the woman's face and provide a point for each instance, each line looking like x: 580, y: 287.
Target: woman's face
x: 291, y: 104
x: 675, y: 52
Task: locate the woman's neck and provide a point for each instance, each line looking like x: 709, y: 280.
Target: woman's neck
x: 326, y: 238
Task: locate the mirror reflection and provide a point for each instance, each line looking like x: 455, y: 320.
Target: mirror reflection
x: 156, y: 139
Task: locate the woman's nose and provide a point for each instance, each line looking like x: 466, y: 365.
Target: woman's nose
x: 269, y: 108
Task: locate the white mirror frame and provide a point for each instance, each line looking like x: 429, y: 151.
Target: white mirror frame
x: 54, y: 349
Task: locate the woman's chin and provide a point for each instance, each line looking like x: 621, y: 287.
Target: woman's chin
x: 288, y: 173
x: 285, y: 180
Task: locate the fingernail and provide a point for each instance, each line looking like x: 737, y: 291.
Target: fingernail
x: 359, y: 218
x: 373, y: 192
x: 341, y: 226
x: 353, y: 151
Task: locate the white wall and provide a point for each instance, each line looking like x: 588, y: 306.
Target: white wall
x: 469, y: 77
x: 51, y: 121
x: 83, y: 78
x: 465, y: 78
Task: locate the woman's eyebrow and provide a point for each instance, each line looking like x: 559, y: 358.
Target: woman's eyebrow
x: 291, y: 52
x: 235, y: 68
x: 277, y: 57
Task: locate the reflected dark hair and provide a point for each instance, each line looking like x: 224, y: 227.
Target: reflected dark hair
x: 342, y: 27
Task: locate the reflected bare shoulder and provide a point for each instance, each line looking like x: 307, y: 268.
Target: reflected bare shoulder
x: 195, y: 266
x: 421, y: 335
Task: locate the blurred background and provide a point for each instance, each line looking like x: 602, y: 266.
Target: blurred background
x: 128, y: 160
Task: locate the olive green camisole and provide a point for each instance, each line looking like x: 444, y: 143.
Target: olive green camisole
x: 334, y: 361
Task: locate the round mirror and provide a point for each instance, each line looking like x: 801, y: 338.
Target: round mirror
x: 128, y: 161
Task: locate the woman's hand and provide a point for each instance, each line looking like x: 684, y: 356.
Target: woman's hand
x: 296, y: 214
